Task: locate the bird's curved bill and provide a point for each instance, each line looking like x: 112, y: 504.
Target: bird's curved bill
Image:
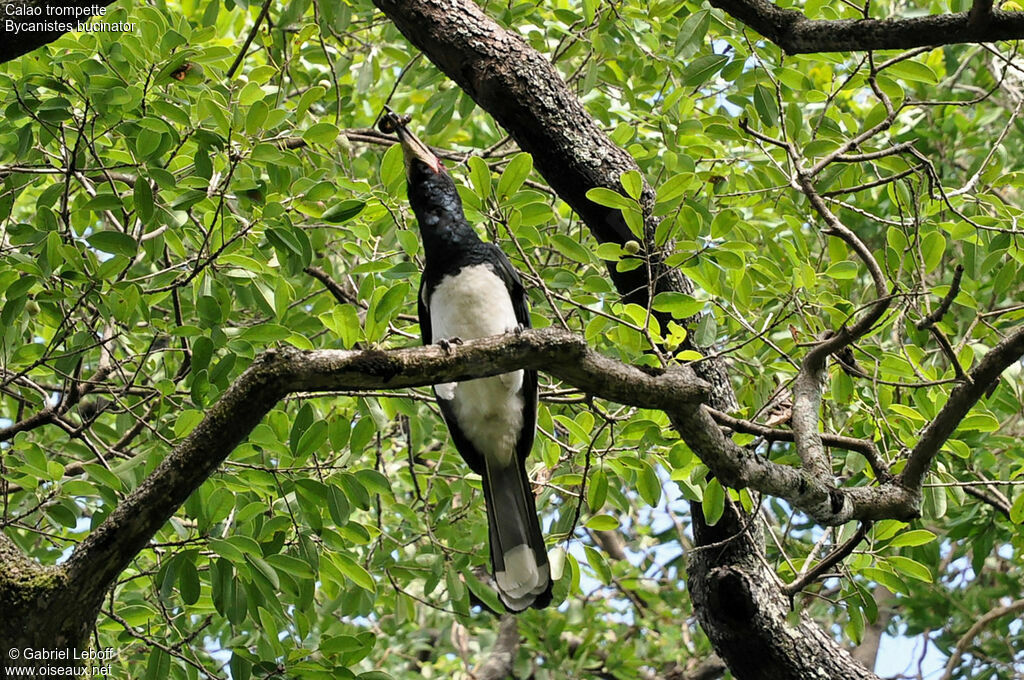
x: 412, y: 147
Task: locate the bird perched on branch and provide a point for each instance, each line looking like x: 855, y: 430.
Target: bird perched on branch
x: 469, y: 289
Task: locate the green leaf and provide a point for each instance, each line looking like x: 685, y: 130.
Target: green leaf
x: 843, y: 270
x: 611, y: 199
x: 633, y: 183
x: 703, y: 68
x: 693, y: 30
x: 312, y: 439
x: 143, y: 198
x: 713, y: 502
x: 570, y: 248
x: 909, y: 567
x: 912, y: 538
x: 354, y: 572
x: 390, y: 303
x: 113, y: 242
x: 979, y: 422
x: 337, y: 505
x: 188, y: 580
x: 635, y: 222
x: 487, y: 595
x: 392, y: 166
x: 766, y: 105
x: 291, y: 565
x: 343, y: 211
x: 648, y: 485
x: 579, y: 434
x: 514, y: 175
x: 158, y: 666
x: 674, y: 187
x: 598, y: 564
x: 855, y: 627
x: 597, y: 490
x: 679, y: 305
x: 321, y: 133
x: 888, y: 528
x: 1017, y: 511
x: 912, y: 70
x: 102, y: 202
x: 886, y: 578
x: 610, y: 252
x: 264, y: 568
x: 480, y: 176
x: 313, y: 94
x: 933, y: 247
x: 249, y: 94
x: 602, y: 523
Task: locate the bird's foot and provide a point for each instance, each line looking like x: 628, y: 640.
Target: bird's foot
x: 446, y: 344
x: 518, y: 330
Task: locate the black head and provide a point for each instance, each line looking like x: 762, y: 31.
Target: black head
x: 432, y: 193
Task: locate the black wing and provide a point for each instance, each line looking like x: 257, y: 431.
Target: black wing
x: 510, y: 276
x: 424, y: 312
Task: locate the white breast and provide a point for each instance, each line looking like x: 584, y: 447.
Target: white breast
x: 471, y: 304
x: 474, y: 304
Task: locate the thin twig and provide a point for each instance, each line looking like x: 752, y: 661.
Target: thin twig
x: 249, y: 39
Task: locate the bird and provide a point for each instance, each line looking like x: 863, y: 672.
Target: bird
x: 469, y: 289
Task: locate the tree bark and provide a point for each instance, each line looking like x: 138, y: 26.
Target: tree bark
x: 35, y: 612
x: 744, y: 613
x: 795, y: 33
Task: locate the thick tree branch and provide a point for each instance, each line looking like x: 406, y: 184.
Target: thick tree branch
x: 828, y: 505
x: 127, y: 530
x: 792, y: 31
x: 961, y: 400
x: 864, y: 447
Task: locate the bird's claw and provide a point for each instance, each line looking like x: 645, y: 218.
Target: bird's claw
x: 446, y: 344
x: 518, y: 330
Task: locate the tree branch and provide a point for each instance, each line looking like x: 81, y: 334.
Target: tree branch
x: 961, y: 400
x: 829, y: 561
x: 275, y: 373
x: 864, y: 447
x: 792, y: 31
x: 826, y: 504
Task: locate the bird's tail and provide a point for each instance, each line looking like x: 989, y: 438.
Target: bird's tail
x: 518, y: 555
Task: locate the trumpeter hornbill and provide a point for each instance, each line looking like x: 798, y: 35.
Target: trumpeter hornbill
x: 470, y: 290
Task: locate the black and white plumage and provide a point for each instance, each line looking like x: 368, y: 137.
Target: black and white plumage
x: 469, y: 289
